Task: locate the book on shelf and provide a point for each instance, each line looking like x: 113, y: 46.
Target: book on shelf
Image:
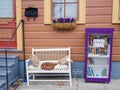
x: 90, y: 71
x: 104, y: 72
x: 90, y: 61
x: 96, y: 50
x: 98, y: 39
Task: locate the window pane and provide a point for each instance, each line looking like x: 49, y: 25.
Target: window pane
x: 6, y: 9
x: 71, y: 10
x: 57, y: 1
x: 71, y: 0
x: 58, y: 10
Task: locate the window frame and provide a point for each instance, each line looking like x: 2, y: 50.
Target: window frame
x: 81, y: 13
x: 115, y: 11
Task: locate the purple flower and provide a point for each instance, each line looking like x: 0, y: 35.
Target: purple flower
x: 67, y: 20
x: 61, y: 20
x: 73, y: 20
x: 54, y: 21
x: 64, y: 20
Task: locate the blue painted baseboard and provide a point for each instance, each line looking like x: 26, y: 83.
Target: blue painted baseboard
x: 78, y: 69
x: 115, y: 74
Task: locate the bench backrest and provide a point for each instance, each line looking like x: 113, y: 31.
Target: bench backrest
x: 51, y: 53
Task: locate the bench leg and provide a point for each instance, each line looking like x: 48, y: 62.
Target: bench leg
x: 33, y: 76
x: 70, y: 82
x: 70, y: 78
x: 27, y: 79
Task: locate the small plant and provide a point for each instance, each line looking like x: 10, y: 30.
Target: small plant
x: 64, y: 20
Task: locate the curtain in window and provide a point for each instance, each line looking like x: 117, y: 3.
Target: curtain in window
x: 6, y: 9
x: 64, y: 0
x: 57, y: 1
x: 71, y: 10
x: 71, y: 0
x: 63, y: 9
x: 58, y: 10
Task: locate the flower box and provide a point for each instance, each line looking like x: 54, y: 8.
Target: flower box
x: 64, y: 24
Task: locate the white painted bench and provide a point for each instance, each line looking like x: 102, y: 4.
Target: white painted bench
x: 53, y: 55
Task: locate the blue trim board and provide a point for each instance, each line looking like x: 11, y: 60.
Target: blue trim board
x: 115, y: 73
x: 78, y: 69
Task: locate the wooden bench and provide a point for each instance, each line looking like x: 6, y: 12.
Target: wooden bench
x: 54, y: 55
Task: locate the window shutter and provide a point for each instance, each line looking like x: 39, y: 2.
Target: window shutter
x: 82, y: 12
x: 115, y: 11
x: 18, y: 18
x: 47, y: 11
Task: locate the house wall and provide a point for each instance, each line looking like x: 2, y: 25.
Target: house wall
x: 38, y: 35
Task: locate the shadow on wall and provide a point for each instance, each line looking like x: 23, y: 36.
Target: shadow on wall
x: 78, y: 70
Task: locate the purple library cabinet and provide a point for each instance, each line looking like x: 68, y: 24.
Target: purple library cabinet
x: 98, y: 56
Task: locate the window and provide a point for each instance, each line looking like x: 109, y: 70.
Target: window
x: 6, y: 9
x: 64, y: 8
x: 116, y: 11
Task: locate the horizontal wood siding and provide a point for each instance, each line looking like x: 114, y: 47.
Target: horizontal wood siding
x: 38, y: 35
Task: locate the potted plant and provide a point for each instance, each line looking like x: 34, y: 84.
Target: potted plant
x: 64, y: 23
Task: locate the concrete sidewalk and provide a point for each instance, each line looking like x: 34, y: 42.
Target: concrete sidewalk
x: 78, y: 84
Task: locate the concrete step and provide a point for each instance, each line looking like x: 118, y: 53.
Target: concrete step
x: 10, y: 64
x: 2, y: 83
x: 12, y: 70
x: 9, y: 58
x: 3, y: 73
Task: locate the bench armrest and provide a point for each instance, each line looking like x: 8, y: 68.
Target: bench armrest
x: 27, y: 60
